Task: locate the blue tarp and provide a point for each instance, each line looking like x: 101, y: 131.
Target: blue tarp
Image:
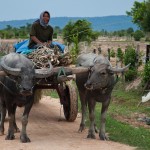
x: 22, y: 47
x: 60, y: 46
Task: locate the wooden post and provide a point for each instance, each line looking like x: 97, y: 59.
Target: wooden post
x: 108, y: 54
x: 0, y: 42
x: 137, y: 55
x: 147, y: 53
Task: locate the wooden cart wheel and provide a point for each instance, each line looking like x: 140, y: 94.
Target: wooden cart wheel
x: 71, y: 105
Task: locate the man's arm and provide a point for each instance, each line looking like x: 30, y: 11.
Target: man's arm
x: 36, y: 40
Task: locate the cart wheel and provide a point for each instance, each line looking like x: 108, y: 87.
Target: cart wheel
x: 71, y: 105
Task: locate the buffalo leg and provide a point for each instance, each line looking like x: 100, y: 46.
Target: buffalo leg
x: 102, y: 135
x: 91, y: 106
x: 23, y: 135
x: 2, y: 118
x: 11, y: 117
x: 16, y: 129
x: 83, y: 109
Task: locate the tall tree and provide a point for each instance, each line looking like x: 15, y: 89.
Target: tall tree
x: 140, y: 12
x: 82, y: 28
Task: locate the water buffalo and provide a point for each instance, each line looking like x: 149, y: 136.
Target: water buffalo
x: 17, y: 86
x: 95, y: 85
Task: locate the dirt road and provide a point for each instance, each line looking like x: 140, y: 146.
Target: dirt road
x: 48, y: 133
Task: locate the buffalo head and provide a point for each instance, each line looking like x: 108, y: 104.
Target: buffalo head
x: 21, y: 73
x: 102, y: 75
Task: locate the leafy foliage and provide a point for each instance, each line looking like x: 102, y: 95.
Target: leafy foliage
x: 140, y: 13
x: 22, y: 32
x: 129, y: 58
x: 82, y: 28
x: 2, y: 54
x: 120, y: 54
x: 138, y: 34
x: 112, y: 53
x: 131, y: 74
x: 146, y: 72
x: 75, y: 50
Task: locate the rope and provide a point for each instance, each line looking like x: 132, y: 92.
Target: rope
x: 60, y: 113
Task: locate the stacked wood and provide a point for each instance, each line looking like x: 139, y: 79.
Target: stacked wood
x: 42, y: 56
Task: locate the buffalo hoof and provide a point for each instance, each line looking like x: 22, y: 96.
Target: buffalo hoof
x: 82, y: 127
x: 24, y: 139
x: 103, y: 137
x: 91, y: 136
x: 10, y: 137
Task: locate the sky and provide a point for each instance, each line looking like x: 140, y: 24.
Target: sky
x: 31, y: 9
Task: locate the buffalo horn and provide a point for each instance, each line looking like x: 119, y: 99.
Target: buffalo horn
x: 119, y: 70
x: 9, y: 70
x: 3, y: 73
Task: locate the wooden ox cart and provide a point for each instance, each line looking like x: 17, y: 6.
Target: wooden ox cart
x: 60, y: 81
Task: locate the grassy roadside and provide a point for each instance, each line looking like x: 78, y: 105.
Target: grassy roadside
x: 123, y: 104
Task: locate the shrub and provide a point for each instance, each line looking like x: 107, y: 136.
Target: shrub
x: 130, y: 58
x: 130, y: 74
x: 146, y: 72
x: 138, y: 35
x: 2, y: 54
x: 112, y: 53
x: 120, y: 54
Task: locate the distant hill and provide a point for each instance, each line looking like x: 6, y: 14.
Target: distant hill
x: 109, y: 23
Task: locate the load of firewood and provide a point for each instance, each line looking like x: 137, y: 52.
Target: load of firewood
x: 43, y: 55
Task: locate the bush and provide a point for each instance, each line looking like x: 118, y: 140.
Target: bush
x: 130, y: 58
x: 2, y: 54
x: 138, y: 35
x: 130, y: 74
x: 120, y: 54
x: 146, y: 72
x: 112, y: 53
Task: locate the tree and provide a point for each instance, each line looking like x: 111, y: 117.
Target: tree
x: 8, y: 27
x: 82, y: 28
x: 130, y: 32
x: 138, y: 34
x: 140, y: 12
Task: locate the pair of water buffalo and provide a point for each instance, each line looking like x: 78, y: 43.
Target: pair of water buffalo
x: 18, y: 77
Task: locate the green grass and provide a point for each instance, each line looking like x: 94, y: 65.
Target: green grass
x: 124, y: 133
x: 51, y: 93
x: 126, y: 102
x: 2, y: 54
